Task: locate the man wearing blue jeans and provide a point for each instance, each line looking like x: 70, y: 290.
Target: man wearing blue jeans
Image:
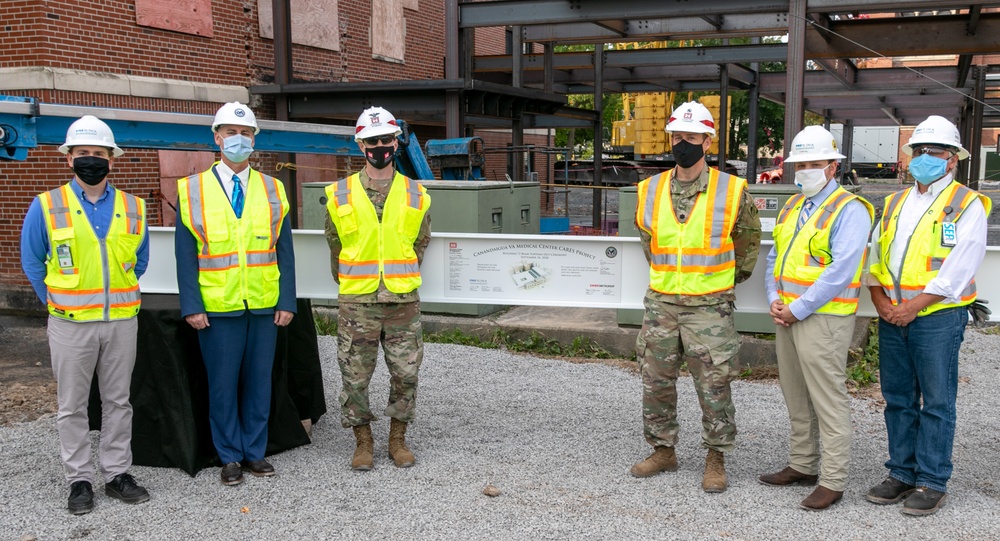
x: 925, y: 253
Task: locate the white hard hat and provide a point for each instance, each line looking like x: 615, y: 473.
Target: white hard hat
x: 691, y: 117
x: 89, y: 130
x: 237, y: 114
x: 936, y: 130
x: 813, y: 143
x: 375, y: 121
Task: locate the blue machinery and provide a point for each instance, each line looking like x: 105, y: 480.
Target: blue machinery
x: 26, y: 123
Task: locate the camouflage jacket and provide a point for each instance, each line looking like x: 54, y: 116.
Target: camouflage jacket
x: 746, y: 238
x: 377, y: 196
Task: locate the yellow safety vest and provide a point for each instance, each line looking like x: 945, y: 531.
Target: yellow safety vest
x: 89, y: 279
x: 696, y: 257
x: 803, y: 255
x: 237, y: 260
x: 924, y: 253
x: 374, y: 250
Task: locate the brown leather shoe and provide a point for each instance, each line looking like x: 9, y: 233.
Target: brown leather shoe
x: 787, y: 476
x: 820, y: 499
x: 259, y: 468
x: 663, y: 459
x: 232, y: 474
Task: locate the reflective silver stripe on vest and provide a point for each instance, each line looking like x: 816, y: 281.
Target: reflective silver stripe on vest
x: 217, y: 262
x: 936, y: 263
x: 133, y: 217
x: 694, y: 260
x: 954, y: 203
x: 827, y: 210
x: 92, y: 300
x: 358, y: 269
x: 718, y: 216
x: 343, y: 191
x: 400, y: 269
x: 647, y: 211
x: 910, y: 294
x: 195, y: 208
x: 890, y: 207
x: 413, y: 190
x: 59, y: 209
x: 262, y: 258
x: 798, y: 290
x: 67, y: 271
x: 794, y: 200
x: 273, y: 199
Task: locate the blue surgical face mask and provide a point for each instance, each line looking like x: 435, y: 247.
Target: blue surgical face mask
x: 237, y: 148
x: 926, y: 168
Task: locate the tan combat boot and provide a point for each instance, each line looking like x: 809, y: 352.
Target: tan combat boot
x: 398, y: 450
x: 363, y: 459
x: 715, y: 473
x: 663, y: 459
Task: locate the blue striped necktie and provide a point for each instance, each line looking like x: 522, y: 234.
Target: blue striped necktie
x: 237, y: 197
x: 807, y: 209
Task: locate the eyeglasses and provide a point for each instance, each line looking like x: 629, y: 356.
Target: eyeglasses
x: 384, y: 139
x: 937, y: 152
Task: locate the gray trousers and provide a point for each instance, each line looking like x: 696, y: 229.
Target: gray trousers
x: 77, y: 350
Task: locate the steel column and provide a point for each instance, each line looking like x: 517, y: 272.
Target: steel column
x: 795, y: 81
x: 598, y: 130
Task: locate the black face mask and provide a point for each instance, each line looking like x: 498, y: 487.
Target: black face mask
x: 91, y: 169
x: 687, y: 154
x: 379, y: 157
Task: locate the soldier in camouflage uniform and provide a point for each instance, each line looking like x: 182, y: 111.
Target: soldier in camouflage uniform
x: 378, y: 228
x: 701, y: 235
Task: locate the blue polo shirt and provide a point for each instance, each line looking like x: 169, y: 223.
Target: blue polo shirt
x: 35, y: 235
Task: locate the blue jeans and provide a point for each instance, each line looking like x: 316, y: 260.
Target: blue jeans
x: 920, y: 362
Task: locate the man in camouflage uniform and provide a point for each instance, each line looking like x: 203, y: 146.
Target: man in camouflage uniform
x: 701, y: 235
x: 378, y: 228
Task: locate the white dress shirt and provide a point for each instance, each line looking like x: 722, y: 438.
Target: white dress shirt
x: 960, y: 267
x: 226, y: 178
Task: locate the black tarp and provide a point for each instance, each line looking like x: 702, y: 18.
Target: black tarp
x: 169, y: 392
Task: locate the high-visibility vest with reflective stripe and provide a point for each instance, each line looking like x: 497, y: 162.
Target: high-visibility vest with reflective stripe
x: 803, y: 255
x: 374, y: 250
x: 237, y: 260
x: 696, y: 257
x: 88, y: 279
x: 923, y: 254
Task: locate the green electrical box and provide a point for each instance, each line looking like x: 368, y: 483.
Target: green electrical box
x: 769, y: 199
x: 457, y: 206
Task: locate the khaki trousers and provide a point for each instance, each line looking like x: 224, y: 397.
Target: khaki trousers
x: 812, y: 367
x: 78, y: 349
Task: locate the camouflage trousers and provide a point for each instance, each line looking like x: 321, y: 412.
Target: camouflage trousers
x: 705, y: 338
x: 361, y: 328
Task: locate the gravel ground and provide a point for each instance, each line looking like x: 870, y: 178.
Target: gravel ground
x: 556, y: 439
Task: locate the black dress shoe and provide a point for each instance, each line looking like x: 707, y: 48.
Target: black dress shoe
x: 125, y: 489
x: 889, y: 491
x: 259, y: 468
x: 81, y: 498
x: 924, y: 501
x: 232, y: 474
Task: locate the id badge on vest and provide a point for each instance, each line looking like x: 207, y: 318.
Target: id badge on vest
x: 949, y: 234
x: 65, y: 256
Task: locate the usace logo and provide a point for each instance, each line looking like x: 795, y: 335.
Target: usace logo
x: 688, y: 115
x: 373, y: 118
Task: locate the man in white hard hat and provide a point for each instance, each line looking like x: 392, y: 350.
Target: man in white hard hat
x: 236, y: 279
x: 378, y: 228
x: 83, y: 248
x: 701, y: 235
x: 926, y: 250
x: 813, y: 284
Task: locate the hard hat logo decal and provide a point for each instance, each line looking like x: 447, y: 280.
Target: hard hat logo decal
x: 688, y: 116
x: 373, y: 117
x: 240, y: 113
